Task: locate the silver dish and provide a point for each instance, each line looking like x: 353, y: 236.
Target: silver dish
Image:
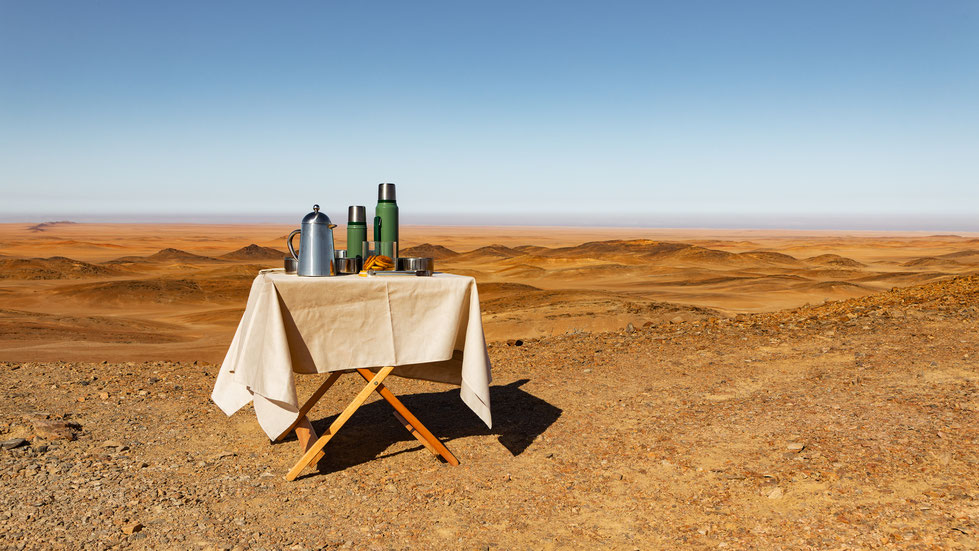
x: 416, y: 264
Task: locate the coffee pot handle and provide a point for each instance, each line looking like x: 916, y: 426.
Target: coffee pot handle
x: 292, y: 251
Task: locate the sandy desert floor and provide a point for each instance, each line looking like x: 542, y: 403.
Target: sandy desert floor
x: 705, y: 389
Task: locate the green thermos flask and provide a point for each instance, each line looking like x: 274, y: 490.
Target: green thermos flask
x: 356, y: 231
x: 386, y: 219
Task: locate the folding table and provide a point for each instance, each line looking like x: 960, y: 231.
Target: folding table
x: 313, y: 446
x: 415, y: 327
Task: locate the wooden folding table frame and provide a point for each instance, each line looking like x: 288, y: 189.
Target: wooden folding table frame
x: 313, y: 446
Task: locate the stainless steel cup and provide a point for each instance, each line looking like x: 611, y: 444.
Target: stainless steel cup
x: 349, y: 265
x: 416, y: 263
x: 290, y: 264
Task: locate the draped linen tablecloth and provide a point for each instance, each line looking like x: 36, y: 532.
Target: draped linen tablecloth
x: 428, y: 327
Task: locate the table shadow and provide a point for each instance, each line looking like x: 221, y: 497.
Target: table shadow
x: 518, y: 419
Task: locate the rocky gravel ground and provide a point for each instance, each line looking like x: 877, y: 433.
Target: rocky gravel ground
x: 848, y: 425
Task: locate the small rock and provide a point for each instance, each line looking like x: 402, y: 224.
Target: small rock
x: 103, y: 395
x: 53, y: 430
x: 12, y: 443
x: 586, y: 370
x: 112, y: 444
x: 630, y: 328
x: 132, y: 528
x: 795, y: 447
x: 777, y: 493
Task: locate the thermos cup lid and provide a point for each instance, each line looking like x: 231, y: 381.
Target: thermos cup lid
x: 385, y: 192
x: 356, y: 214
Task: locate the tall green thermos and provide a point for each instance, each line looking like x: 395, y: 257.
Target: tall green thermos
x: 386, y: 219
x: 356, y: 231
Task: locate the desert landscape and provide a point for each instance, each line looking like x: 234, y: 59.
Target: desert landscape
x: 652, y: 389
x: 119, y: 292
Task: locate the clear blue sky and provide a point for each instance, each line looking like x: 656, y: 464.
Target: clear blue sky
x: 490, y: 107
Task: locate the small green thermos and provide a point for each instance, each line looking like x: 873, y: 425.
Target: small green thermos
x: 356, y: 230
x: 386, y: 219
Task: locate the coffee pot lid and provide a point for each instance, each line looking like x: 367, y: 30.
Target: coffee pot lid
x: 316, y: 217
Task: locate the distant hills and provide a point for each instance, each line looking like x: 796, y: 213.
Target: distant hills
x: 45, y: 225
x: 55, y: 267
x: 251, y: 252
x: 165, y: 255
x: 428, y: 250
x: 255, y: 252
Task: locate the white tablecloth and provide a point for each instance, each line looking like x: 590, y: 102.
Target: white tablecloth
x: 428, y: 327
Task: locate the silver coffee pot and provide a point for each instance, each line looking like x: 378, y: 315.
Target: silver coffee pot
x: 316, y: 252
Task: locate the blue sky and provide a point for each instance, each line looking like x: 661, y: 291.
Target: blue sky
x: 510, y: 109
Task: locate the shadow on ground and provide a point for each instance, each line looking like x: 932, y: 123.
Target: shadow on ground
x: 518, y: 418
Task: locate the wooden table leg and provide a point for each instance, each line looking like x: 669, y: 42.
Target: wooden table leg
x: 307, y: 436
x: 411, y: 419
x: 308, y: 406
x: 416, y: 434
x: 317, y: 447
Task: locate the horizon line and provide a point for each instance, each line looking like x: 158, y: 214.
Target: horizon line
x: 889, y: 222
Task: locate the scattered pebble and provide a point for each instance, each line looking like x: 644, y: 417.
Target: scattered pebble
x: 13, y: 443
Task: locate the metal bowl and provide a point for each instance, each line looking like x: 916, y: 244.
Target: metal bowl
x: 349, y: 265
x: 416, y: 263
